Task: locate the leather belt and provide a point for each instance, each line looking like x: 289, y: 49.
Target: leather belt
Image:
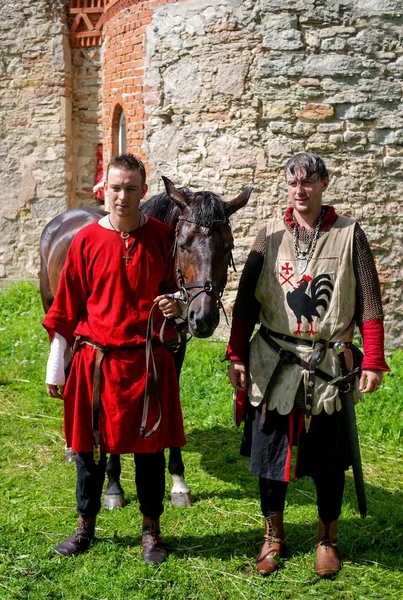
x: 289, y: 357
x: 299, y: 341
x: 96, y: 385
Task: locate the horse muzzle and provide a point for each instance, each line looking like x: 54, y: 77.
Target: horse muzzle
x: 204, y: 308
x: 204, y: 318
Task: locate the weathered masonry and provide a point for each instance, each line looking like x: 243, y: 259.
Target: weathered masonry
x: 214, y: 94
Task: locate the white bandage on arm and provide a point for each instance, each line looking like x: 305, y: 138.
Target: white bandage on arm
x: 59, y: 358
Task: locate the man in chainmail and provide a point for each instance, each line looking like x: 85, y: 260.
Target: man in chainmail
x: 308, y: 280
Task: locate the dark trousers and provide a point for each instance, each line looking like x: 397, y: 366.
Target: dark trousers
x: 322, y: 456
x: 329, y: 495
x: 149, y: 477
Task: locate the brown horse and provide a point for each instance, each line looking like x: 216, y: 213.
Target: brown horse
x: 203, y: 252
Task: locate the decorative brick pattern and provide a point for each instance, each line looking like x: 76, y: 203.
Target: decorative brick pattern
x: 86, y: 22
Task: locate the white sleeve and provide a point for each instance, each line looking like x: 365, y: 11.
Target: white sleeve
x: 59, y: 358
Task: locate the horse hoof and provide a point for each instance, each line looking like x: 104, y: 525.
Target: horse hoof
x: 181, y: 500
x: 69, y: 455
x: 112, y: 501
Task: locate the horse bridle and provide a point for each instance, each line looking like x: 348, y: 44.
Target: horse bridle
x: 204, y: 287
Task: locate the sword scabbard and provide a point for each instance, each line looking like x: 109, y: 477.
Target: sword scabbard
x: 350, y: 424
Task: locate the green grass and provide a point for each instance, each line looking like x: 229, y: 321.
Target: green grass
x: 213, y: 545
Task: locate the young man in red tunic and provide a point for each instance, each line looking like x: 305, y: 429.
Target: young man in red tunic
x: 115, y: 270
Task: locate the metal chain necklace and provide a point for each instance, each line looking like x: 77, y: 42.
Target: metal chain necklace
x: 304, y: 256
x: 124, y: 238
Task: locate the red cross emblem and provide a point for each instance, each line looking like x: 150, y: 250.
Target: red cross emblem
x: 288, y: 274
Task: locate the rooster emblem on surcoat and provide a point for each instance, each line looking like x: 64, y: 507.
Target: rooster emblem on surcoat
x: 305, y: 305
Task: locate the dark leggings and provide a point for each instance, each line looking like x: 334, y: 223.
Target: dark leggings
x: 329, y: 495
x: 150, y: 483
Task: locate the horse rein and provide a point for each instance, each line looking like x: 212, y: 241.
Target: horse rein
x: 181, y: 338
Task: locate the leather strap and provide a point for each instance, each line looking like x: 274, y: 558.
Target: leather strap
x: 150, y: 357
x: 285, y: 357
x: 295, y: 340
x: 183, y: 336
x: 96, y: 382
x: 317, y: 356
x: 289, y: 357
x: 96, y: 385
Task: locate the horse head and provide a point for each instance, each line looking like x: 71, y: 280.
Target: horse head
x: 203, y: 251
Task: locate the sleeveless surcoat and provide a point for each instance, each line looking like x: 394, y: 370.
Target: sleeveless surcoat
x: 317, y: 305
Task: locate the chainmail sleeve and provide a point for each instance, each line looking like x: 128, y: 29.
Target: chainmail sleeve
x: 246, y: 306
x: 368, y: 291
x: 246, y: 309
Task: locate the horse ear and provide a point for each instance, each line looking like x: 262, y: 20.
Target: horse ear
x: 240, y: 201
x: 174, y: 194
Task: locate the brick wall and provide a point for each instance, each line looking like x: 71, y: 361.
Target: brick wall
x: 124, y: 30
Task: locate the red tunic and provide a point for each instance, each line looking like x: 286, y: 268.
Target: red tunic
x: 102, y: 298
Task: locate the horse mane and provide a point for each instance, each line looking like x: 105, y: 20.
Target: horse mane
x: 207, y: 210
x: 160, y: 206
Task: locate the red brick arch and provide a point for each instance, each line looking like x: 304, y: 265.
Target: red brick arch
x: 121, y: 26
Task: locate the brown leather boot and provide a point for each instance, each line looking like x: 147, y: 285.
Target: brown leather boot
x: 327, y: 554
x: 80, y: 540
x: 273, y: 546
x: 153, y: 550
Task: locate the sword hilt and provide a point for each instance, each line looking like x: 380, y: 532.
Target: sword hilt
x: 339, y: 347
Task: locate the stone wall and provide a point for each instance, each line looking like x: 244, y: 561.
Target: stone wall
x: 35, y: 128
x: 87, y: 130
x: 232, y: 88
